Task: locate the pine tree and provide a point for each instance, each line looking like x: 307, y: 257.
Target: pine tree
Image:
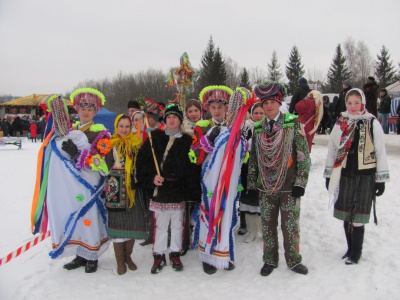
x: 384, y: 68
x: 244, y: 79
x: 274, y: 73
x: 206, y: 65
x: 218, y: 72
x: 338, y: 71
x: 294, y: 69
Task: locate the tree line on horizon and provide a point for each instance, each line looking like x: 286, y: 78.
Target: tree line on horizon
x: 353, y: 61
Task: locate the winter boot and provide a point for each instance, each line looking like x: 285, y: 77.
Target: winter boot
x: 174, y: 258
x: 242, y: 228
x: 149, y: 239
x: 91, y: 266
x: 119, y: 249
x: 76, y: 263
x: 159, y: 263
x: 128, y: 251
x: 347, y: 232
x: 252, y: 227
x: 357, y: 245
x: 209, y: 269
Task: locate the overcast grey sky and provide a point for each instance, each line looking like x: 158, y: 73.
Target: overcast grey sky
x: 49, y: 46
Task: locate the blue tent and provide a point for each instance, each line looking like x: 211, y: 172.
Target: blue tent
x: 106, y: 118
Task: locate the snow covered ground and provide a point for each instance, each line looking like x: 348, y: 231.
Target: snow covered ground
x: 33, y: 275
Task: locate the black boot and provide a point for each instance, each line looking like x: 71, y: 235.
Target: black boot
x: 242, y: 228
x: 91, y: 266
x: 267, y: 269
x: 76, y: 263
x: 174, y: 257
x: 347, y: 232
x: 159, y: 263
x: 357, y: 245
x: 209, y: 269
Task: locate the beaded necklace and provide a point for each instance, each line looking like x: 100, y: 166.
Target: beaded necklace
x: 273, y: 152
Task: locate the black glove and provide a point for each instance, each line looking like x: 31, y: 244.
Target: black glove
x: 214, y: 133
x: 379, y: 188
x: 70, y: 148
x: 297, y: 191
x: 327, y: 183
x: 252, y: 195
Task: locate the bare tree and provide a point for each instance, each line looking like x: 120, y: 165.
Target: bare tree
x: 358, y: 60
x: 350, y: 52
x: 232, y: 71
x: 315, y: 78
x: 257, y: 75
x: 365, y: 61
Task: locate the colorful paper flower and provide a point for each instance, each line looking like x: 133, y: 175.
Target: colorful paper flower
x: 104, y: 146
x: 97, y: 163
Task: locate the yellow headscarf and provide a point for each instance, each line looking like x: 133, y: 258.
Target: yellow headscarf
x: 127, y: 147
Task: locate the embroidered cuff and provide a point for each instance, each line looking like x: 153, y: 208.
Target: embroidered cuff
x: 382, y: 176
x: 327, y: 172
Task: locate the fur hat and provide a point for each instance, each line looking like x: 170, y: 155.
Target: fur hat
x: 302, y: 80
x: 174, y: 109
x: 87, y: 97
x: 215, y: 93
x: 270, y: 91
x: 371, y: 79
x: 347, y: 82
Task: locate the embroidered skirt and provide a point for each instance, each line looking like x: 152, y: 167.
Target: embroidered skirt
x: 355, y: 198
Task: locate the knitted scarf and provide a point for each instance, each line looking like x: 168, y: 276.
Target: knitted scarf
x: 127, y: 147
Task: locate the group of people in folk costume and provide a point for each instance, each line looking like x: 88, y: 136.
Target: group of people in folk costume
x: 143, y: 181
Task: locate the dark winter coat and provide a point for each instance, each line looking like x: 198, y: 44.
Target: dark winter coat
x: 181, y: 177
x: 341, y: 104
x: 300, y: 92
x: 42, y: 126
x: 384, y: 106
x: 371, y: 97
x: 5, y: 128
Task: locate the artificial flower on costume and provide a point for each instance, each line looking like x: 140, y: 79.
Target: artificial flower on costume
x: 87, y: 222
x: 97, y: 163
x: 104, y: 146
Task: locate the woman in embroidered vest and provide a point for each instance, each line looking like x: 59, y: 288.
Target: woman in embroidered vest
x: 163, y: 165
x: 356, y: 170
x: 126, y: 210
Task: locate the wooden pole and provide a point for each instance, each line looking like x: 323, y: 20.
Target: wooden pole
x: 151, y: 146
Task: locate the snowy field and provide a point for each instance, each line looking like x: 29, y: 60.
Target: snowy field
x: 33, y: 275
